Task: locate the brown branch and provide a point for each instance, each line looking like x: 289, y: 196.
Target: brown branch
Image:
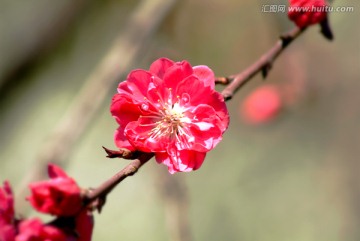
x: 263, y: 64
x: 235, y: 82
x: 108, y: 185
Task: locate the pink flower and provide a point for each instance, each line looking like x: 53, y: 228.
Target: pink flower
x: 58, y: 196
x: 35, y: 230
x: 84, y: 223
x: 171, y: 110
x: 307, y: 12
x: 7, y: 219
x: 262, y: 105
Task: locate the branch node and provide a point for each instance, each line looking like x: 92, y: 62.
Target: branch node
x: 326, y: 29
x: 263, y: 64
x: 285, y: 40
x: 131, y: 170
x: 121, y: 153
x: 227, y: 96
x: 223, y: 80
x: 265, y: 70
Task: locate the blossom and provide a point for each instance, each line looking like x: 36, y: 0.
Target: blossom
x: 58, y: 196
x: 171, y: 110
x: 7, y: 219
x: 84, y: 223
x: 262, y: 105
x: 307, y: 12
x: 34, y: 230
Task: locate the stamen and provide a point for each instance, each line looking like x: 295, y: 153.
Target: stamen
x: 169, y: 120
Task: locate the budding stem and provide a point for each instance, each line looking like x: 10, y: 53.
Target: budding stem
x: 263, y: 64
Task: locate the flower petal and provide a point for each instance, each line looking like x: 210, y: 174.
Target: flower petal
x: 121, y: 141
x: 140, y: 134
x: 159, y: 67
x: 195, y: 89
x: 54, y: 171
x: 176, y: 73
x: 217, y: 102
x: 201, y: 94
x: 136, y: 84
x: 205, y: 128
x: 205, y: 74
x: 6, y: 208
x: 124, y: 110
x: 182, y: 161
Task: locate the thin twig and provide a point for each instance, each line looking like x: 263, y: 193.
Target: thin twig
x: 222, y: 80
x: 126, y: 47
x: 263, y: 64
x: 109, y: 184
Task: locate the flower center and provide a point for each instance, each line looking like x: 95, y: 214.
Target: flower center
x: 171, y: 120
x: 174, y: 114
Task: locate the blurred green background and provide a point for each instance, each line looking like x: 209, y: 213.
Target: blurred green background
x: 296, y: 178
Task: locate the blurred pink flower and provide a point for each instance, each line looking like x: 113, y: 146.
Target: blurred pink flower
x: 7, y: 219
x: 84, y: 223
x: 171, y: 110
x: 307, y: 12
x: 58, y: 196
x: 34, y: 230
x: 261, y: 105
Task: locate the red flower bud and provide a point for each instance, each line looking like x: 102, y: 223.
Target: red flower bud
x: 307, y: 12
x: 35, y: 230
x: 84, y: 225
x: 7, y: 220
x: 58, y: 196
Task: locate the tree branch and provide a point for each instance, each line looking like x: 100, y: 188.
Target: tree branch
x: 108, y: 185
x: 263, y: 64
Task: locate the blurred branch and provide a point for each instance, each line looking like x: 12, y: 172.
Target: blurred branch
x: 142, y: 24
x: 263, y: 64
x: 176, y: 204
x: 48, y: 30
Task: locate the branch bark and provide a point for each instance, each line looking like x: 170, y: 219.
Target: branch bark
x: 263, y: 64
x: 108, y: 185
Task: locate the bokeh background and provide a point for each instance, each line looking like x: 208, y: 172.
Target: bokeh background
x: 294, y: 178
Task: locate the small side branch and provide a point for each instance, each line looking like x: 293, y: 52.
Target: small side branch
x: 108, y: 185
x: 263, y: 64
